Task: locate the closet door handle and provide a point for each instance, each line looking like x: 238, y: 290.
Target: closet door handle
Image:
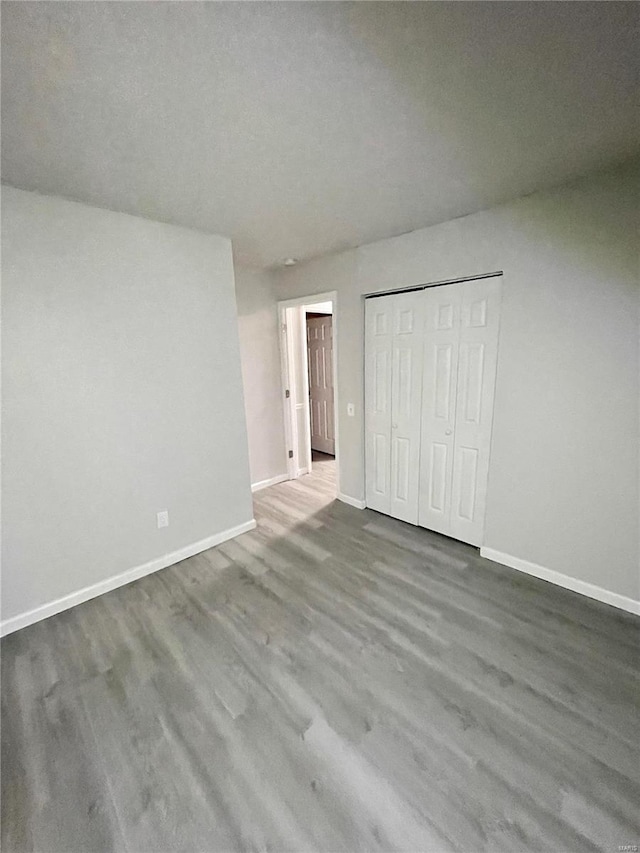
x: 394, y: 426
x: 448, y: 431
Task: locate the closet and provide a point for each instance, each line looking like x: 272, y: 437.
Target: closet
x: 430, y: 366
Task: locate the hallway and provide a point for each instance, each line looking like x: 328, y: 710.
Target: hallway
x: 324, y: 472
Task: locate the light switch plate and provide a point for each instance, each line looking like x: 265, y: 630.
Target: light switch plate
x: 163, y: 518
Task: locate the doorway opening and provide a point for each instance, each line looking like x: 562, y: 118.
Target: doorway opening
x: 309, y: 387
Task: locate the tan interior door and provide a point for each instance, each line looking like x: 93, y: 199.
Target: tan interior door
x: 320, y: 355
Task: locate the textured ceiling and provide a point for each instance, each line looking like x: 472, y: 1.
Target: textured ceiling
x: 303, y: 128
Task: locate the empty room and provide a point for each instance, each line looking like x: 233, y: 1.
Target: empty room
x: 320, y: 427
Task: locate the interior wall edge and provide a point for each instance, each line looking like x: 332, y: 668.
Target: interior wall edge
x: 258, y: 329
x: 22, y: 620
x: 590, y: 590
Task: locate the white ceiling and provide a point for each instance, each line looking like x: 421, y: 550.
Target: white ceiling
x: 303, y: 128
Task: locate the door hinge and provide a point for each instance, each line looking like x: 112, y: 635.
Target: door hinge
x: 287, y: 393
x: 291, y: 454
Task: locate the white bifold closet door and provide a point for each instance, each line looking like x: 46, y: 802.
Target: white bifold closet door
x: 461, y: 347
x: 430, y: 363
x: 393, y: 392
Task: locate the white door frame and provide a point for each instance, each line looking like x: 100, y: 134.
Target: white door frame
x: 298, y: 466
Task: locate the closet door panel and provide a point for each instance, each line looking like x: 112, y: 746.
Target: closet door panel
x: 430, y: 366
x: 378, y: 355
x: 479, y: 325
x: 441, y: 343
x: 406, y: 404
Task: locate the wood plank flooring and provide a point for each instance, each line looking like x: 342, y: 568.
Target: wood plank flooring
x: 333, y: 681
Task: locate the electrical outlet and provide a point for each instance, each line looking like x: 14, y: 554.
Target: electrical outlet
x: 163, y: 518
x: 351, y: 410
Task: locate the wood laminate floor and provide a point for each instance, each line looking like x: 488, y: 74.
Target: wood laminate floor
x: 332, y: 681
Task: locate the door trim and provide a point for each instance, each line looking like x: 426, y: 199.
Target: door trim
x: 413, y: 287
x: 295, y: 466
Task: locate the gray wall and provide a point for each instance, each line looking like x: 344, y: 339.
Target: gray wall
x: 122, y: 395
x: 260, y: 354
x: 563, y: 479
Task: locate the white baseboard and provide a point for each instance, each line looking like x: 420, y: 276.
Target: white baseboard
x: 588, y: 589
x: 67, y: 601
x: 272, y: 481
x: 347, y: 499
